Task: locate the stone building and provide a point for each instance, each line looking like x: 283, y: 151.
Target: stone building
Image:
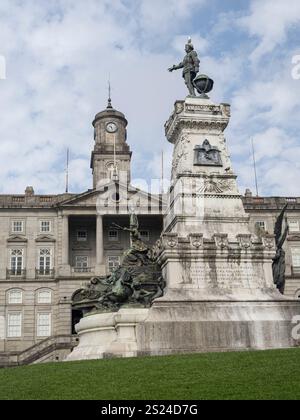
x: 50, y: 245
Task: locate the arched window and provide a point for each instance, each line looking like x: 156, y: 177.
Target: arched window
x: 15, y: 297
x: 44, y: 296
x: 297, y: 294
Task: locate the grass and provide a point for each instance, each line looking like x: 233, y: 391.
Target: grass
x: 259, y: 375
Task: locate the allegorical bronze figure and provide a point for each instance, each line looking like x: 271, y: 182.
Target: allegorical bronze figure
x: 279, y: 260
x: 190, y: 66
x: 137, y: 282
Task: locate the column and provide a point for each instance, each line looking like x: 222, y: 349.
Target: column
x: 99, y: 241
x: 65, y: 240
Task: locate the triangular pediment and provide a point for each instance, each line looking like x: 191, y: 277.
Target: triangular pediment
x: 45, y: 238
x: 17, y: 238
x: 116, y: 195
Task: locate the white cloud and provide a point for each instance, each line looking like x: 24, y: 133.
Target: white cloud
x: 270, y: 20
x: 59, y: 57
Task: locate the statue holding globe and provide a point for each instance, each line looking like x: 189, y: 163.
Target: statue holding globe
x: 190, y: 66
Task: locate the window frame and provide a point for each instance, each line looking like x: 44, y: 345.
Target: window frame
x: 261, y: 224
x: 113, y: 238
x: 41, y: 226
x: 8, y: 325
x: 81, y: 266
x: 293, y: 251
x: 47, y: 266
x: 143, y: 237
x: 117, y: 258
x: 81, y: 239
x: 17, y: 270
x: 39, y: 292
x: 295, y: 222
x: 22, y: 222
x: 38, y: 326
x: 9, y: 293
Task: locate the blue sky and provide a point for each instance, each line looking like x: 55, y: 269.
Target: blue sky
x: 59, y: 54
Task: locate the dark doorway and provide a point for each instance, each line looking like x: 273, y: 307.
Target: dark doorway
x: 76, y: 317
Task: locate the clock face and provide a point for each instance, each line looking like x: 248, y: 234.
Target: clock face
x: 111, y: 127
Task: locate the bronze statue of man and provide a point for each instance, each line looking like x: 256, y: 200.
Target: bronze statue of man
x: 279, y: 265
x: 190, y: 66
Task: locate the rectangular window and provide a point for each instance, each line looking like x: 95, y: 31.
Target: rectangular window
x: 45, y: 226
x: 293, y: 225
x: 44, y: 325
x: 113, y: 263
x: 14, y: 325
x: 16, y: 262
x: 260, y: 225
x: 81, y: 235
x: 81, y: 263
x: 145, y: 235
x: 45, y: 261
x: 17, y: 226
x: 296, y: 257
x: 113, y: 235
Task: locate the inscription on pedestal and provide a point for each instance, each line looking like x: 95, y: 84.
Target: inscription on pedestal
x: 222, y: 275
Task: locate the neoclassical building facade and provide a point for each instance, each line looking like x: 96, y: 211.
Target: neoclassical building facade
x: 50, y: 245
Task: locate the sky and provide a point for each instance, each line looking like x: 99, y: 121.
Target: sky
x: 56, y: 57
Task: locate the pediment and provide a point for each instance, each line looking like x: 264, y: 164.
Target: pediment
x: 45, y: 238
x: 17, y: 238
x: 113, y: 195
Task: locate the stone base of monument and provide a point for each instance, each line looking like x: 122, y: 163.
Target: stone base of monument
x: 187, y: 327
x: 194, y: 327
x: 111, y: 334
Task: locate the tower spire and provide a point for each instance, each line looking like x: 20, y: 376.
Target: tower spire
x: 109, y: 106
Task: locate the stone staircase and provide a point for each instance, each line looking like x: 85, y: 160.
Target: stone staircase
x: 52, y: 349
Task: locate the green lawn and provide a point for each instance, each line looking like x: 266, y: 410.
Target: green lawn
x: 247, y: 375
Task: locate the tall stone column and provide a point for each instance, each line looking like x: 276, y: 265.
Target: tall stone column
x: 65, y: 240
x: 100, y: 266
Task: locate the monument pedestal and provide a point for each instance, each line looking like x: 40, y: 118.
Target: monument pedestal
x: 194, y: 327
x: 111, y: 334
x: 220, y: 294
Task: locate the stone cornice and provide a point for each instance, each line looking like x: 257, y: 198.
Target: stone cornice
x: 193, y: 123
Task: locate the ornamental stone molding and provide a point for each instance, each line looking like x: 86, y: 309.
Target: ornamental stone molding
x: 170, y: 240
x: 196, y: 240
x: 269, y: 241
x: 245, y: 241
x: 221, y: 240
x: 178, y: 125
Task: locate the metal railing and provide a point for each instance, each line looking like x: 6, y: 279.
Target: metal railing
x: 46, y: 272
x: 21, y: 273
x: 83, y: 269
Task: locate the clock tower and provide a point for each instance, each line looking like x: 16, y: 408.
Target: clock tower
x: 111, y: 155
